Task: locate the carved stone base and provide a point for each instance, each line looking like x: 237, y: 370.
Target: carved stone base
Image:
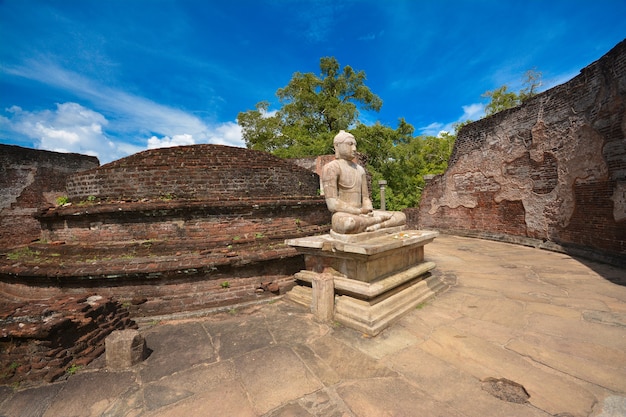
x: 375, y: 280
x: 373, y: 317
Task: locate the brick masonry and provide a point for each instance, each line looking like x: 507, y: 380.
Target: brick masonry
x: 551, y: 172
x: 162, y: 231
x: 197, y: 217
x: 30, y: 181
x: 41, y: 341
x: 197, y: 172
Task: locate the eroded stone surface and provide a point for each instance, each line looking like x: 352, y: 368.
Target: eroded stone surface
x: 551, y: 170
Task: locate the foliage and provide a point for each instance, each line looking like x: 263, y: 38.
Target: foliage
x: 314, y: 108
x: 23, y: 254
x: 73, y: 369
x: 402, y: 160
x: 502, y: 98
x: 62, y: 200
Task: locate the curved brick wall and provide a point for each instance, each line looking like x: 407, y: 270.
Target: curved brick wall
x: 196, y: 172
x: 550, y: 172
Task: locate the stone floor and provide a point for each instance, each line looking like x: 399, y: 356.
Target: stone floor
x: 520, y: 332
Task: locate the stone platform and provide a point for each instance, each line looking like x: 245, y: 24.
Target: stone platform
x: 365, y: 281
x: 554, y: 324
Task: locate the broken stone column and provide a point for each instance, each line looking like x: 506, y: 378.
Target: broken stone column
x: 124, y: 348
x: 323, y: 297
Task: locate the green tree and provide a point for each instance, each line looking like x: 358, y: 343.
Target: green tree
x: 401, y: 159
x: 502, y: 98
x: 314, y: 108
x: 532, y: 83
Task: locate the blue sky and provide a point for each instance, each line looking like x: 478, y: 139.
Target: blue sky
x: 113, y: 77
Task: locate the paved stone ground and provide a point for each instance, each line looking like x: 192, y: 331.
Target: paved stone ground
x: 514, y: 317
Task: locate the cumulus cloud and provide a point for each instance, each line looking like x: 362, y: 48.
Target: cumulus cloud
x: 72, y: 127
x: 69, y: 128
x: 228, y: 133
x: 134, y: 123
x: 166, y: 141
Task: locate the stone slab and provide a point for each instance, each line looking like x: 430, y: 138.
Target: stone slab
x: 227, y: 400
x: 607, y: 370
x: 347, y: 362
x: 273, y: 376
x: 234, y: 338
x: 30, y: 402
x: 368, y: 290
x: 548, y: 391
x: 371, y: 318
x: 373, y: 246
x: 175, y: 346
x: 433, y: 376
x: 391, y: 397
x: 88, y: 394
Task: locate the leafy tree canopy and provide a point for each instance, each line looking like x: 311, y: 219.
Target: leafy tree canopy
x: 502, y: 98
x: 315, y: 107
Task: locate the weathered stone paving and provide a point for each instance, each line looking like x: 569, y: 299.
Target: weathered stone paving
x: 551, y: 325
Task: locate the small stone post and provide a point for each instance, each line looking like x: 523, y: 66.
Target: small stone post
x: 323, y: 297
x: 124, y: 348
x: 382, y: 184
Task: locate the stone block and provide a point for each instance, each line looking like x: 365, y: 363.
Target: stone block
x: 124, y: 348
x: 323, y: 298
x: 368, y: 260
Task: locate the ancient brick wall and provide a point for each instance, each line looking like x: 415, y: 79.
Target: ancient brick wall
x: 201, y: 193
x: 552, y: 171
x: 194, y: 218
x: 31, y: 180
x: 197, y: 172
x: 205, y: 223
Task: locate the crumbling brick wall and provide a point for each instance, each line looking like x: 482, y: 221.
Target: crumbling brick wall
x: 31, y: 180
x: 40, y: 341
x: 551, y: 171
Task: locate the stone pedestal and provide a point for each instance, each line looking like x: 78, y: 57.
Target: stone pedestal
x: 376, y: 277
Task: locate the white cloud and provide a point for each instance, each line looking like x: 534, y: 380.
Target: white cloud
x: 473, y: 111
x: 69, y: 128
x: 432, y: 129
x: 228, y: 133
x: 142, y: 123
x: 166, y: 141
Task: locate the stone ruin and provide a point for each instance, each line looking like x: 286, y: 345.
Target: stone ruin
x: 166, y: 230
x: 163, y: 229
x: 550, y: 173
x: 30, y: 181
x: 187, y: 228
